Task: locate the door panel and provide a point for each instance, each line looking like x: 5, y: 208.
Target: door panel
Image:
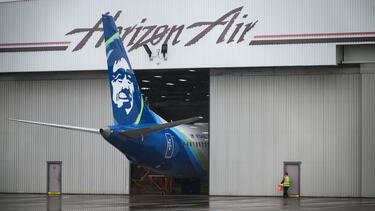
x: 293, y: 175
x: 293, y: 170
x: 54, y: 177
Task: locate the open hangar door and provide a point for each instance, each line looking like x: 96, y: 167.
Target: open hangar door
x: 173, y: 94
x: 263, y: 117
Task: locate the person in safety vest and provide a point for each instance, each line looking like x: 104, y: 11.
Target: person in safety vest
x: 286, y: 184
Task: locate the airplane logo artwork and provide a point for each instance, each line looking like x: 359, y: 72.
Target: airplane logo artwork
x: 168, y: 148
x: 122, y: 85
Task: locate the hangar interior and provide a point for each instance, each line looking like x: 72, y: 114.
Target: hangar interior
x: 174, y: 95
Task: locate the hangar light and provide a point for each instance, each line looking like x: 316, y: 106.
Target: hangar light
x: 158, y: 76
x: 147, y: 49
x: 169, y: 84
x: 182, y: 80
x: 164, y: 49
x: 146, y: 81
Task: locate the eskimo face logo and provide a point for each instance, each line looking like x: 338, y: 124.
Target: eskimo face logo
x: 122, y: 85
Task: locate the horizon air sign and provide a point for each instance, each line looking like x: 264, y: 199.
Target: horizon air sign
x: 142, y: 34
x: 205, y: 34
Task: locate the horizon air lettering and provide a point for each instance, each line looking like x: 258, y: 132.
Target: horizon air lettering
x: 141, y: 34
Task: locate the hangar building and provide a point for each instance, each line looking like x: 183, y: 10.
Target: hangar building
x: 286, y: 84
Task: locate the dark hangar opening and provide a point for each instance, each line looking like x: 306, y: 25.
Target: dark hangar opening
x: 172, y: 94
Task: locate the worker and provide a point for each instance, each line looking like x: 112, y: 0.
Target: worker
x: 286, y: 184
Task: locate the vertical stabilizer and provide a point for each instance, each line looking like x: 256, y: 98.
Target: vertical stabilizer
x: 127, y: 103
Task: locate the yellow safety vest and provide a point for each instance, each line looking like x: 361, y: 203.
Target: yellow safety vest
x: 286, y: 181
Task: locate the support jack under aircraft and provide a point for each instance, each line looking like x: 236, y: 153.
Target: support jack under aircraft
x: 169, y: 148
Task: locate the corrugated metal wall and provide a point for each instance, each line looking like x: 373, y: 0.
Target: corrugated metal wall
x: 263, y: 117
x: 90, y: 164
x: 368, y: 130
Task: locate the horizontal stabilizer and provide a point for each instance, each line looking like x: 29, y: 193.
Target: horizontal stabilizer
x: 69, y: 127
x: 139, y: 132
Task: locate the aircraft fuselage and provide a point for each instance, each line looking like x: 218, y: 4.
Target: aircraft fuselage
x: 180, y: 151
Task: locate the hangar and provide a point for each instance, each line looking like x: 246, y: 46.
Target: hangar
x: 283, y: 85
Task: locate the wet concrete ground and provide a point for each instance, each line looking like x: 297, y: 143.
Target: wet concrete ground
x: 142, y: 202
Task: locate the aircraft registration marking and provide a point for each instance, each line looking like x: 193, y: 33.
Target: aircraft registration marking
x: 170, y: 146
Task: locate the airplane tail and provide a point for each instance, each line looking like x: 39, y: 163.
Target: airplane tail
x: 127, y: 103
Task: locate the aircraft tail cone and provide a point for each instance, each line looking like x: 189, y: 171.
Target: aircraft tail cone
x: 105, y: 132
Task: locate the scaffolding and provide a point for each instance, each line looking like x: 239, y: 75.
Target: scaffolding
x: 147, y: 182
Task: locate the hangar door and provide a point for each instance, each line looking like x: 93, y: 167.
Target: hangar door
x: 91, y: 165
x: 261, y: 117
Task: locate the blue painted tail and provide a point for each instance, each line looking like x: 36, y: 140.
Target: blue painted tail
x: 127, y: 103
